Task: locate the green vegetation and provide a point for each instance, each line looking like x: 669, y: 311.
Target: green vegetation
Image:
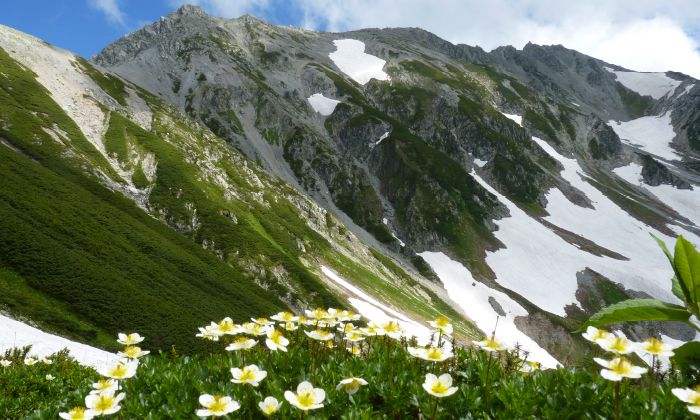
x: 636, y: 104
x: 541, y: 124
x: 112, y: 85
x: 488, y: 385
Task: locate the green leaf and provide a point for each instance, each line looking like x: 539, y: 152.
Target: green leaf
x: 687, y: 264
x: 687, y: 357
x: 637, y: 310
x: 677, y: 287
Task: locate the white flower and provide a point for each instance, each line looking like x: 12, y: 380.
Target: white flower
x: 307, y: 397
x: 656, y: 347
x: 491, y: 344
x: 46, y: 361
x: 393, y: 329
x: 119, y: 370
x: 76, y: 413
x: 50, y: 377
x: 216, y: 405
x: 351, y: 385
x: 242, y: 343
x: 210, y: 332
x: 104, y: 403
x: 529, y: 366
x: 318, y: 313
x: 104, y: 385
x: 250, y: 374
x: 442, y: 324
x: 30, y: 361
x: 354, y: 336
x: 618, y: 344
x: 269, y: 406
x: 226, y: 327
x: 5, y: 363
x: 690, y: 396
x: 321, y: 335
x: 619, y: 368
x: 439, y: 386
x: 431, y: 354
x: 594, y: 334
x: 354, y: 350
x: 132, y: 352
x: 290, y: 326
x: 275, y: 340
x: 129, y: 339
x: 285, y: 317
x: 251, y: 328
x: 264, y: 322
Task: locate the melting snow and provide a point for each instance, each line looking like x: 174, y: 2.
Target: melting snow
x: 321, y: 104
x: 383, y: 136
x: 351, y: 59
x: 17, y: 334
x: 656, y: 85
x: 480, y: 163
x: 685, y: 202
x: 528, y: 267
x: 517, y: 118
x: 473, y: 298
x: 653, y: 134
x: 375, y: 311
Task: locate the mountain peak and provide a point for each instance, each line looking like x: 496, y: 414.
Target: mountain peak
x: 191, y: 10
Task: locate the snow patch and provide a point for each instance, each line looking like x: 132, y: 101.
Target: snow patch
x: 381, y: 138
x: 656, y: 85
x: 480, y: 163
x: 351, y: 59
x: 653, y: 134
x: 375, y: 311
x: 321, y: 104
x: 473, y: 297
x: 685, y: 202
x: 17, y: 334
x: 517, y: 118
x: 687, y: 89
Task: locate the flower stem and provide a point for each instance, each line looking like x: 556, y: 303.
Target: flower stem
x: 486, y: 381
x: 617, y: 400
x: 652, y: 380
x: 434, y: 410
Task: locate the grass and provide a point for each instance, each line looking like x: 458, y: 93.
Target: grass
x: 168, y: 385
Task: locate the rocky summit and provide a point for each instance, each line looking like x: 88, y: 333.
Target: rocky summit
x: 200, y: 164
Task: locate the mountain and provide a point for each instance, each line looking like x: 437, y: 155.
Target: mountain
x: 511, y: 189
x: 118, y: 212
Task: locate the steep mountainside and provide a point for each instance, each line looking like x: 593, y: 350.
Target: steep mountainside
x: 527, y: 180
x: 118, y: 212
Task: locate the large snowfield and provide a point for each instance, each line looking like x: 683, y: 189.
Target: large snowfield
x: 656, y: 85
x: 685, y: 202
x: 351, y: 59
x: 14, y: 333
x: 652, y: 134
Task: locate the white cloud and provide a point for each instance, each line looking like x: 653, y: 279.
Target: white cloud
x: 111, y: 10
x: 644, y: 35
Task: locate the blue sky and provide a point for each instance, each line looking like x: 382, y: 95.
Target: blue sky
x: 645, y: 35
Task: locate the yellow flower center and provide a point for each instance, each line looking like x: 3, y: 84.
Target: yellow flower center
x: 442, y: 322
x: 104, y: 402
x: 306, y: 399
x: 119, y: 371
x: 439, y: 388
x: 247, y: 375
x: 433, y: 353
x: 392, y: 327
x: 77, y: 413
x: 493, y: 344
x: 217, y: 406
x: 653, y: 345
x: 621, y: 366
x: 600, y: 334
x: 132, y: 351
x: 226, y: 326
x: 103, y: 384
x: 619, y: 345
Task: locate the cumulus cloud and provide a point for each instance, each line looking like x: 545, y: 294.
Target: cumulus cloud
x: 111, y: 10
x: 644, y: 35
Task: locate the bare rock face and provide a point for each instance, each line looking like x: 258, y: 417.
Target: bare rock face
x: 431, y: 156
